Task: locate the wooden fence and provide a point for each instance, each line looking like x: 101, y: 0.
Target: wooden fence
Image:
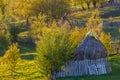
x: 79, y: 68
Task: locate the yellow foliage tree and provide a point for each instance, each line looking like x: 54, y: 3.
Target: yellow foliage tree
x: 11, y: 57
x: 77, y: 35
x: 95, y: 23
x: 37, y: 25
x: 106, y: 40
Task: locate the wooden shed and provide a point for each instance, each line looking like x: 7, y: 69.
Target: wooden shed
x: 91, y: 58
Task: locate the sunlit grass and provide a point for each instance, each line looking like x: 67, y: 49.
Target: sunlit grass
x: 25, y: 70
x: 28, y: 70
x: 105, y: 13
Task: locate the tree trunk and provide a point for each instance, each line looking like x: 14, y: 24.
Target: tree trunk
x: 14, y: 38
x: 52, y: 77
x: 27, y: 22
x: 82, y: 7
x: 94, y: 4
x: 88, y: 5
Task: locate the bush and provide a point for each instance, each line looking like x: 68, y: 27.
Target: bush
x: 11, y: 57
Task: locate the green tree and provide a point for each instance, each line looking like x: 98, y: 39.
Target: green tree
x: 54, y: 50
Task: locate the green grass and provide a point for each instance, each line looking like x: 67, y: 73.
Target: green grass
x: 114, y: 32
x: 27, y: 47
x: 27, y: 70
x: 108, y: 12
x: 24, y: 48
x: 105, y: 13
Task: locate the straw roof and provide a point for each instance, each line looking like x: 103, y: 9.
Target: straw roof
x: 90, y: 48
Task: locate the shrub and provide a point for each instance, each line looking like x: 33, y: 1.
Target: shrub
x: 11, y: 57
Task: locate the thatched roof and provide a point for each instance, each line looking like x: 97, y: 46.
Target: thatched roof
x: 90, y: 48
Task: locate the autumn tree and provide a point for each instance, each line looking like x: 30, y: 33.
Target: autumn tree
x: 52, y: 8
x: 11, y: 57
x: 106, y: 40
x: 77, y: 35
x: 37, y: 26
x: 98, y: 3
x: 3, y: 4
x: 96, y: 25
x: 79, y: 3
x: 88, y: 3
x: 95, y: 22
x: 19, y: 9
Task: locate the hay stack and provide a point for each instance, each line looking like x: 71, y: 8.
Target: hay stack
x: 91, y: 58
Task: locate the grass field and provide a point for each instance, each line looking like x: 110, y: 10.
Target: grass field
x: 27, y: 70
x: 114, y: 75
x: 105, y: 13
x: 114, y: 32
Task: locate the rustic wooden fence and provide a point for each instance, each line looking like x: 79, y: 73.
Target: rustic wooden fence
x: 79, y: 68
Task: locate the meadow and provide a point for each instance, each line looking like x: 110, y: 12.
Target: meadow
x: 27, y: 66
x: 27, y: 70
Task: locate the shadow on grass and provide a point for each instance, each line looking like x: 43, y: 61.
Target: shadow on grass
x: 113, y: 13
x: 27, y: 47
x: 28, y: 57
x: 113, y: 32
x: 24, y: 48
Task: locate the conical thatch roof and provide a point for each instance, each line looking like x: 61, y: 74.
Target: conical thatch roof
x: 90, y: 48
